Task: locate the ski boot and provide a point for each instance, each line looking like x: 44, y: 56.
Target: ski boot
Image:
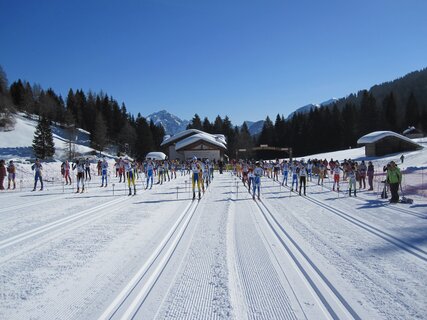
x: 199, y: 195
x: 130, y: 192
x: 83, y: 189
x: 78, y: 190
x: 194, y: 195
x: 134, y: 191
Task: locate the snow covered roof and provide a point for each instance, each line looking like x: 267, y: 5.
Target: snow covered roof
x: 200, y: 136
x: 180, y: 135
x: 378, y: 135
x: 156, y: 156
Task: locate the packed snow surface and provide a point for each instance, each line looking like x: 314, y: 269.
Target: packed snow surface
x: 103, y: 254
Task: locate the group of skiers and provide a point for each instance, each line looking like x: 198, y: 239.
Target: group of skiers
x: 300, y: 172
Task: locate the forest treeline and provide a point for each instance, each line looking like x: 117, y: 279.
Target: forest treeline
x: 391, y: 106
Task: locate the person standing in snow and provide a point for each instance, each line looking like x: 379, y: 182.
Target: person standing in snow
x: 336, y: 175
x: 87, y: 169
x: 66, y: 168
x: 99, y: 167
x: 285, y: 171
x: 37, y: 168
x: 258, y: 173
x: 394, y: 179
x: 302, y: 176
x: 149, y: 173
x: 370, y: 174
x: 309, y: 170
x: 351, y: 175
x: 2, y: 173
x: 196, y: 177
x: 295, y: 170
x: 362, y: 174
x: 11, y: 169
x: 322, y: 171
x: 104, y: 169
x: 80, y: 166
x: 130, y: 175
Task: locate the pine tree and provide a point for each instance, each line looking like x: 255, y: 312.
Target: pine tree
x: 412, y: 114
x: 390, y: 112
x: 195, y: 123
x: 43, y: 145
x: 99, y: 135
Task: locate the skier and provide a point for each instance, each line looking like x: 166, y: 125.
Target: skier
x: 285, y: 171
x: 322, y: 170
x: 196, y: 176
x: 99, y: 167
x: 302, y: 176
x: 362, y: 174
x: 11, y: 169
x: 66, y: 168
x: 149, y: 173
x: 309, y: 170
x: 295, y: 170
x: 80, y: 166
x: 130, y: 175
x: 104, y: 169
x: 37, y: 167
x: 336, y: 173
x: 276, y: 170
x: 87, y: 169
x: 2, y: 173
x: 121, y: 170
x: 351, y: 175
x: 245, y: 171
x: 370, y: 173
x: 256, y: 185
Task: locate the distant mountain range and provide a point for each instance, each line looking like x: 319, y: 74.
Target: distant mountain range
x: 171, y: 123
x: 307, y: 108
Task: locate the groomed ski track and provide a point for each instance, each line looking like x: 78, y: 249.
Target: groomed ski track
x: 160, y: 255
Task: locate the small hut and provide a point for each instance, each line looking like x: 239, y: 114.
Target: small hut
x: 380, y: 143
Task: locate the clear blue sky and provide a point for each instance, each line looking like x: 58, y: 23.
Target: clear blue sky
x: 244, y: 58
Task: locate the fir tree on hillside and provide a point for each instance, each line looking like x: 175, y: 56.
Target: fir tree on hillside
x: 43, y: 145
x: 99, y: 135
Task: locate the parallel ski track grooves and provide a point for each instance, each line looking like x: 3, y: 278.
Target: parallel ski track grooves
x: 55, y: 224
x: 343, y: 303
x: 33, y: 203
x: 409, y: 248
x: 158, y: 260
x: 415, y: 251
x: 390, y: 208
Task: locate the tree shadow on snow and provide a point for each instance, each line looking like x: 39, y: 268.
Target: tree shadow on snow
x: 417, y: 237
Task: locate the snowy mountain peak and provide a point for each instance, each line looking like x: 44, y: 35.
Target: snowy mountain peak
x: 171, y: 123
x: 307, y: 108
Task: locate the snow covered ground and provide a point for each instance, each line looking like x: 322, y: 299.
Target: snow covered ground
x: 160, y: 255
